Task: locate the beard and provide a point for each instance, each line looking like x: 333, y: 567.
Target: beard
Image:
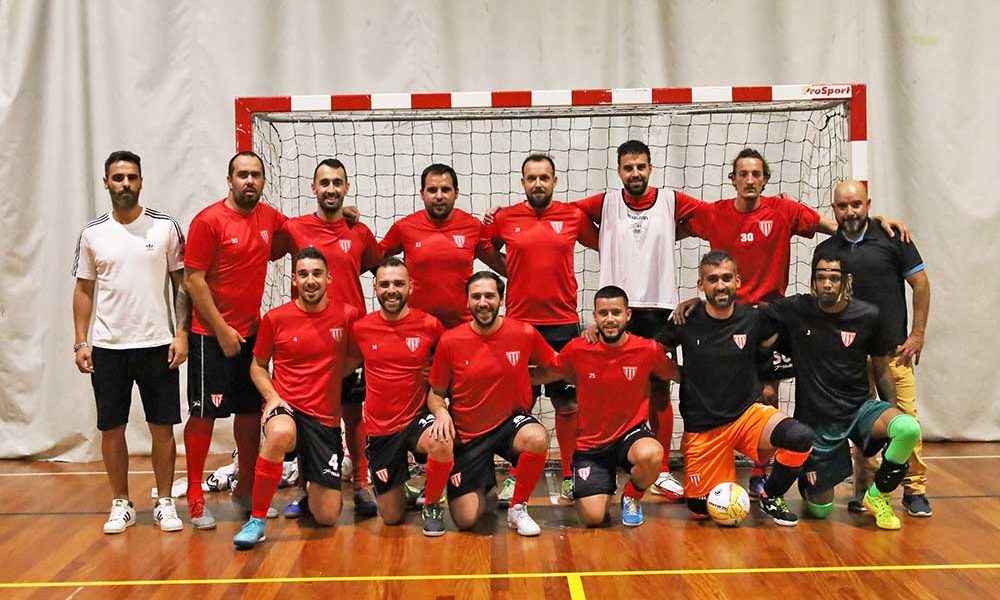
x: 331, y: 204
x: 383, y: 301
x: 727, y: 299
x: 486, y: 318
x: 853, y: 227
x: 247, y: 198
x: 312, y: 297
x: 637, y: 187
x: 611, y: 339
x: 539, y: 199
x: 124, y: 200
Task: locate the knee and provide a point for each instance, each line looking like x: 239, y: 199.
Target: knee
x: 649, y: 454
x: 280, y: 434
x: 161, y: 433
x: 440, y: 450
x: 464, y: 522
x: 114, y: 434
x: 904, y: 428
x: 819, y: 503
x: 326, y: 515
x: 593, y: 518
x: 391, y: 516
x: 792, y: 435
x: 819, y: 511
x: 534, y: 439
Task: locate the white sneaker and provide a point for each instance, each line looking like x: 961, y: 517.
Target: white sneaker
x: 668, y: 485
x: 122, y: 516
x: 165, y: 515
x: 519, y: 519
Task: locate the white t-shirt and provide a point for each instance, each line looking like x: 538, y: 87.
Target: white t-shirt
x: 131, y: 264
x: 637, y: 250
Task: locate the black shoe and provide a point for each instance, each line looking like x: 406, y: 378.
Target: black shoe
x: 364, y: 504
x: 433, y: 516
x: 917, y: 505
x: 855, y: 504
x: 778, y: 510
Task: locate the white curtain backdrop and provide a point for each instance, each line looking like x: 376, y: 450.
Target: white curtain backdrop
x: 80, y: 79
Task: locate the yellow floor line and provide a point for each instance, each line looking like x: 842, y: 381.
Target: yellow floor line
x: 576, y: 588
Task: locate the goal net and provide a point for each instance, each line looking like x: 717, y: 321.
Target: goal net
x: 807, y: 141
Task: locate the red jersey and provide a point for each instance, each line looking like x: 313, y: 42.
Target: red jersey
x: 233, y: 250
x: 395, y: 354
x: 487, y: 374
x: 349, y: 251
x: 686, y: 206
x: 439, y: 257
x: 759, y: 240
x: 612, y: 385
x: 308, y: 351
x: 542, y: 285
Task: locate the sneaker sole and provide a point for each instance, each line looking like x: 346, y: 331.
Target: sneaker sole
x: 433, y: 533
x: 633, y: 524
x: 175, y: 528
x: 246, y: 545
x: 524, y: 533
x: 922, y: 515
x: 658, y: 491
x: 784, y: 523
x: 203, y: 526
x: 117, y: 531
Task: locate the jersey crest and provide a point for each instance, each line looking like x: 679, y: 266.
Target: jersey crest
x: 513, y: 357
x: 264, y: 235
x: 584, y: 473
x: 765, y: 226
x: 216, y: 400
x: 556, y: 226
x: 740, y: 339
x: 337, y: 333
x: 413, y: 343
x: 847, y: 337
x: 345, y: 245
x: 630, y: 372
x: 459, y: 240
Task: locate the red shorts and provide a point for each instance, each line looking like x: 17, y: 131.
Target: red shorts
x: 709, y: 456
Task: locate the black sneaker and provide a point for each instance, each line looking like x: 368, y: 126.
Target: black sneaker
x: 917, y: 505
x: 433, y: 516
x: 855, y: 504
x: 364, y: 504
x: 778, y: 510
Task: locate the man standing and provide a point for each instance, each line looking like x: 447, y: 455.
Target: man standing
x: 440, y: 245
x: 484, y: 364
x: 397, y: 343
x: 307, y: 342
x: 720, y: 341
x: 541, y: 235
x: 613, y: 434
x: 349, y: 251
x: 832, y: 337
x: 123, y: 261
x: 878, y: 266
x: 229, y: 243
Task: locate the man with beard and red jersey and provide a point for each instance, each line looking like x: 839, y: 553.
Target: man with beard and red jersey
x: 483, y: 367
x: 440, y: 245
x: 306, y: 340
x: 637, y: 237
x: 397, y: 343
x: 613, y: 434
x: 541, y: 235
x: 349, y: 250
x: 720, y: 339
x: 224, y: 264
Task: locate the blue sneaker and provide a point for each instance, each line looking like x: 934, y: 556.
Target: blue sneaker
x: 756, y: 488
x: 296, y: 508
x: 632, y: 512
x: 250, y: 534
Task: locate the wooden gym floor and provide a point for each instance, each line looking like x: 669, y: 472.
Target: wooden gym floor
x: 52, y: 547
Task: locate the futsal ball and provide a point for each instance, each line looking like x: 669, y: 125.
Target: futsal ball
x: 728, y: 504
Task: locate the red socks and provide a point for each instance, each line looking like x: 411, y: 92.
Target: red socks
x: 632, y: 492
x: 436, y: 477
x: 566, y: 429
x: 267, y: 476
x: 197, y: 439
x: 530, y: 467
x: 661, y: 419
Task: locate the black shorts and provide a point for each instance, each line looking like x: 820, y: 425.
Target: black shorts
x: 474, y: 470
x: 159, y: 386
x: 318, y: 447
x: 557, y: 336
x: 352, y: 388
x: 387, y: 464
x: 647, y: 322
x: 219, y: 386
x: 595, y: 471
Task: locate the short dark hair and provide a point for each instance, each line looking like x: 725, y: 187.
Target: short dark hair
x: 829, y: 255
x: 633, y: 147
x: 478, y: 275
x: 438, y: 169
x: 333, y: 163
x: 539, y: 157
x: 309, y: 252
x: 388, y: 262
x: 122, y: 155
x: 715, y: 258
x: 251, y: 154
x: 750, y: 153
x: 610, y: 292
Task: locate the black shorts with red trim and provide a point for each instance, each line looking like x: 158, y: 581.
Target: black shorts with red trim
x: 595, y: 471
x: 220, y: 385
x: 387, y: 463
x: 474, y: 470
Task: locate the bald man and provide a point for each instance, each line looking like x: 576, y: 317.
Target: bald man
x: 879, y: 265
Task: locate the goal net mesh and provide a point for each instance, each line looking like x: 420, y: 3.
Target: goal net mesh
x: 805, y: 143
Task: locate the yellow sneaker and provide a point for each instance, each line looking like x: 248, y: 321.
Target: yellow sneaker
x: 880, y: 507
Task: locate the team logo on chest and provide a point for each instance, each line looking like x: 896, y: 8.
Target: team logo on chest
x: 234, y: 240
x: 630, y: 372
x: 765, y: 227
x: 556, y: 226
x: 740, y: 339
x: 345, y: 245
x: 413, y: 343
x: 459, y: 240
x: 513, y: 357
x: 264, y: 235
x: 847, y: 337
x: 337, y: 333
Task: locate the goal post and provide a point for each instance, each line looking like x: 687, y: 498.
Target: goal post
x: 812, y: 136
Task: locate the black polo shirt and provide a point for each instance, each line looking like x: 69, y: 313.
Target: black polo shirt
x: 880, y: 264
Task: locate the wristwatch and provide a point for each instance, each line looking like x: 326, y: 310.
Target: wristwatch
x: 80, y: 345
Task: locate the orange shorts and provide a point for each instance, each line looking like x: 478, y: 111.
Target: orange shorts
x: 709, y: 456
